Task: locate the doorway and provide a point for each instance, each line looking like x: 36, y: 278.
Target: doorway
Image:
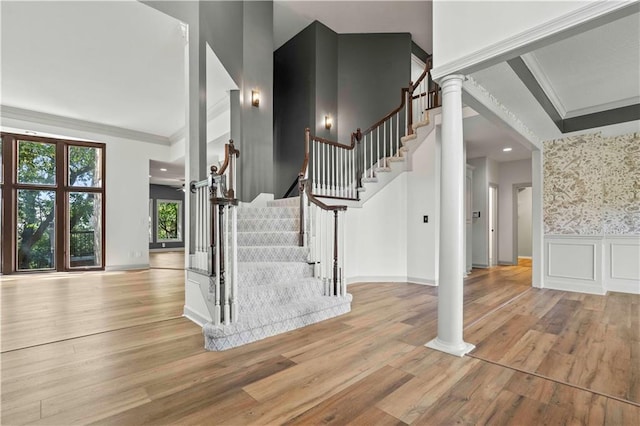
x: 493, y: 224
x: 522, y: 224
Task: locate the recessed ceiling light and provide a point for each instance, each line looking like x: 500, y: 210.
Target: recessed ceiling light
x: 150, y: 176
x: 163, y: 170
x: 507, y: 149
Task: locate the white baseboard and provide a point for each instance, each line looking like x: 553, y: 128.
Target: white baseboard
x: 480, y: 265
x: 575, y: 287
x: 423, y: 281
x: 166, y: 249
x: 390, y: 279
x: 111, y: 268
x: 524, y: 257
x: 194, y: 316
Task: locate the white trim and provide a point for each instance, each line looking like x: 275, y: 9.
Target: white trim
x: 558, y: 280
x: 81, y: 125
x: 193, y: 316
x: 531, y: 39
x: 534, y: 66
x: 422, y: 281
x: 485, y: 99
x: 389, y: 279
x: 603, y: 107
x: 461, y: 351
x: 166, y: 249
x: 139, y: 266
x: 613, y: 281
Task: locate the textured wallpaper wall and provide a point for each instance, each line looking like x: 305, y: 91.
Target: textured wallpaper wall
x: 592, y: 185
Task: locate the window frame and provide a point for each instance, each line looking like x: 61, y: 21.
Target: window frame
x: 157, y: 238
x: 62, y: 189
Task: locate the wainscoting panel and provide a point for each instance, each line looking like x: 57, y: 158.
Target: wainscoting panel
x: 574, y: 263
x: 622, y: 264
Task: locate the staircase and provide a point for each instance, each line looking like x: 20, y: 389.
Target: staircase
x: 277, y: 291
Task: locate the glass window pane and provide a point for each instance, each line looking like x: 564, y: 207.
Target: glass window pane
x: 85, y: 166
x: 36, y: 229
x: 85, y: 229
x: 36, y: 163
x: 169, y: 220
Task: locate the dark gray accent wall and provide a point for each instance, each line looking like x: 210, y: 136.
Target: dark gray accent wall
x: 372, y: 69
x: 256, y: 146
x: 354, y: 78
x: 163, y: 192
x: 305, y: 91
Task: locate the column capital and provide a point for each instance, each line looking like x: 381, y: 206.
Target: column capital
x: 452, y: 81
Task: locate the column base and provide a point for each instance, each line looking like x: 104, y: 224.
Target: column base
x: 457, y: 350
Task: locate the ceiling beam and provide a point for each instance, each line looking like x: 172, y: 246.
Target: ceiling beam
x: 573, y: 124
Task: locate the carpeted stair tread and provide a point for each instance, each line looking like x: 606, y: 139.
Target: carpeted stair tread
x: 279, y: 319
x: 268, y: 225
x: 273, y: 254
x: 292, y: 201
x: 279, y: 212
x: 287, y: 238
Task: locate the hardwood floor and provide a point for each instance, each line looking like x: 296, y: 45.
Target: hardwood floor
x: 166, y: 260
x: 112, y: 349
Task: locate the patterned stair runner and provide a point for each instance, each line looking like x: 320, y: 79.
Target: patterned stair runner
x: 277, y: 290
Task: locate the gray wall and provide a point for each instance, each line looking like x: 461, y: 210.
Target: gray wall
x: 525, y: 210
x: 354, y: 78
x: 372, y: 69
x: 162, y: 192
x: 256, y: 146
x: 305, y: 90
x: 241, y: 36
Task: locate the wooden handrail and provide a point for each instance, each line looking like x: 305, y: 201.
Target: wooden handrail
x: 410, y: 89
x: 228, y: 150
x: 306, y: 184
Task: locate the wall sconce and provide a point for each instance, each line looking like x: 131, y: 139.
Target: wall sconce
x: 327, y: 122
x: 255, y: 98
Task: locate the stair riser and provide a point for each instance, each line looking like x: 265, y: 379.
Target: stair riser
x: 269, y: 213
x: 272, y: 254
x: 221, y: 343
x: 256, y: 297
x: 273, y: 273
x: 249, y: 239
x: 268, y: 225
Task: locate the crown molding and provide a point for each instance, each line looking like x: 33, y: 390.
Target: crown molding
x: 531, y: 61
x: 482, y: 95
x: 9, y: 112
x: 592, y: 15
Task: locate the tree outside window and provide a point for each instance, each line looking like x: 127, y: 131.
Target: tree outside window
x: 169, y: 220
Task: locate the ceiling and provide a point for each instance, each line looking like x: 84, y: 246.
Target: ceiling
x: 343, y: 17
x: 71, y: 63
x: 484, y: 139
x: 587, y: 79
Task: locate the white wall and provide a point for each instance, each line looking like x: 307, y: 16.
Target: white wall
x: 423, y: 198
x: 127, y: 192
x: 525, y: 209
x: 511, y: 172
x: 376, y: 236
x: 386, y: 239
x: 463, y: 28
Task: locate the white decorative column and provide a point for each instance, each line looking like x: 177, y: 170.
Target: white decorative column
x: 452, y: 223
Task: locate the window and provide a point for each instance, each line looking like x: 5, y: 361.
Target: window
x: 53, y: 204
x: 168, y: 220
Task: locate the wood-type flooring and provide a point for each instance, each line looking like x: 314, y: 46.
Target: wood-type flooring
x: 112, y: 348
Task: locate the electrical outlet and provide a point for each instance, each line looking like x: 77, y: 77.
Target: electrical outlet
x: 425, y: 219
